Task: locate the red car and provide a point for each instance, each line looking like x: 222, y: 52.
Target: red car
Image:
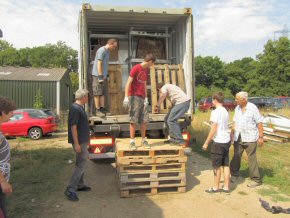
x: 29, y: 122
x: 206, y: 104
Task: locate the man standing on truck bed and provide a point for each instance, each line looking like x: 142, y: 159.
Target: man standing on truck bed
x: 180, y: 105
x: 136, y: 99
x: 100, y: 75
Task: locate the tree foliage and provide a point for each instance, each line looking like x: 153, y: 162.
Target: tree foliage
x: 57, y: 55
x: 268, y: 75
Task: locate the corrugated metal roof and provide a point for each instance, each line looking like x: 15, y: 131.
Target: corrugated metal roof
x: 31, y: 74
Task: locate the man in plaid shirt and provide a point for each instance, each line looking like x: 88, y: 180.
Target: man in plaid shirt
x: 247, y: 132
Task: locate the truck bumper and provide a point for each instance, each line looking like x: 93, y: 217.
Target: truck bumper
x: 102, y: 155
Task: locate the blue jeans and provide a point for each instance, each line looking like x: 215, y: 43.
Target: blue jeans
x: 171, y: 121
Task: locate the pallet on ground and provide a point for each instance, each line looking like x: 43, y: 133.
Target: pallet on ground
x: 152, y: 168
x: 151, y: 191
x: 160, y: 150
x: 150, y: 160
x: 173, y: 182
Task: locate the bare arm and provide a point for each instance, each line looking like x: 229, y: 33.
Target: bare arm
x: 76, y: 144
x: 210, y: 136
x: 260, y: 129
x: 5, y: 186
x: 100, y: 67
x: 128, y: 84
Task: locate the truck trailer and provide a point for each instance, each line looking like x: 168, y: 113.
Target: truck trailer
x: 167, y: 33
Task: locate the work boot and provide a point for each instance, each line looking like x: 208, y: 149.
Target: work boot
x: 100, y: 114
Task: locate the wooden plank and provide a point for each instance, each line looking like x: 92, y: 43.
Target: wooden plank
x: 158, y: 149
x: 174, y: 182
x: 160, y: 80
x: 167, y: 81
x: 150, y: 176
x: 173, y: 77
x: 151, y: 191
x: 181, y: 82
x: 150, y: 160
x: 154, y: 93
x: 152, y: 168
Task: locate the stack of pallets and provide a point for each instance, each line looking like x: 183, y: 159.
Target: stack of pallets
x: 161, y: 169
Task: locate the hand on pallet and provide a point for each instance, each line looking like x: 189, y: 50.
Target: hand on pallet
x: 126, y: 103
x: 157, y: 109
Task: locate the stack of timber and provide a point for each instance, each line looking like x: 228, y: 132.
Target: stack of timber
x: 172, y: 74
x: 276, y: 128
x: 160, y: 169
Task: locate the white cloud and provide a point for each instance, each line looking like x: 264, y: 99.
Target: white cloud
x: 237, y: 21
x: 32, y: 23
x: 176, y: 3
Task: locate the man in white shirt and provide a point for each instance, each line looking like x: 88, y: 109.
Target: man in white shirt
x: 221, y: 143
x: 180, y: 105
x: 247, y: 132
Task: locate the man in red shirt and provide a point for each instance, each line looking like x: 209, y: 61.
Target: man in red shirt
x: 136, y: 99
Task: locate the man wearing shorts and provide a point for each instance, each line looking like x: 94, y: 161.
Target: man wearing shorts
x: 100, y: 75
x: 136, y: 99
x: 221, y: 143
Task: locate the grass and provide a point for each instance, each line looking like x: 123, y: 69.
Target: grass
x: 38, y: 171
x: 273, y: 157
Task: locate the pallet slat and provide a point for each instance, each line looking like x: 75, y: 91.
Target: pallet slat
x: 150, y: 160
x: 151, y: 191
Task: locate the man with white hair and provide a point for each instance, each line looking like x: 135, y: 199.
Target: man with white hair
x: 78, y: 136
x: 247, y: 132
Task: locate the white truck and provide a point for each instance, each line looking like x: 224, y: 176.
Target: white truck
x: 167, y: 33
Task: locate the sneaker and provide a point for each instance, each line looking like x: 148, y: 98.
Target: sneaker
x: 100, y: 114
x: 234, y: 179
x: 133, y: 146
x: 254, y: 184
x: 72, y: 196
x: 145, y: 144
x: 226, y: 191
x: 84, y: 189
x: 212, y: 191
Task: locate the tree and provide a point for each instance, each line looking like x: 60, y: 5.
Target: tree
x: 238, y: 73
x: 209, y: 71
x: 273, y: 70
x: 74, y: 78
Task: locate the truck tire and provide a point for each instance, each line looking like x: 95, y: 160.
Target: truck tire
x: 35, y: 133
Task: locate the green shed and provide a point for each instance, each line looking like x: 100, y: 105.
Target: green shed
x: 22, y: 83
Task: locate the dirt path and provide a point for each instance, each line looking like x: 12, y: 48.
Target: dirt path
x: 104, y: 200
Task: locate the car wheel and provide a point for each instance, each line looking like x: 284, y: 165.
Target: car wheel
x: 35, y: 133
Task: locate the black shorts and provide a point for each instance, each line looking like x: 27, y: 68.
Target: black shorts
x: 220, y: 154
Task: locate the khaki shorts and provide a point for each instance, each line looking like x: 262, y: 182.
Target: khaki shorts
x: 137, y: 112
x: 99, y: 89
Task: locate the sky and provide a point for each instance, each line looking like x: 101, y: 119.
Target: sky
x: 229, y: 29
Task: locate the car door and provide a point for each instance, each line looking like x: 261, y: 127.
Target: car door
x: 13, y: 127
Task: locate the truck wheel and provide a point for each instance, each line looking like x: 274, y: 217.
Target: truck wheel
x: 35, y: 133
x: 154, y: 134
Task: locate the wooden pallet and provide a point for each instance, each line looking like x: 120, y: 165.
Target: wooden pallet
x: 152, y: 168
x: 172, y: 74
x: 174, y: 182
x: 123, y: 150
x: 150, y: 160
x: 151, y: 191
x: 151, y: 176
